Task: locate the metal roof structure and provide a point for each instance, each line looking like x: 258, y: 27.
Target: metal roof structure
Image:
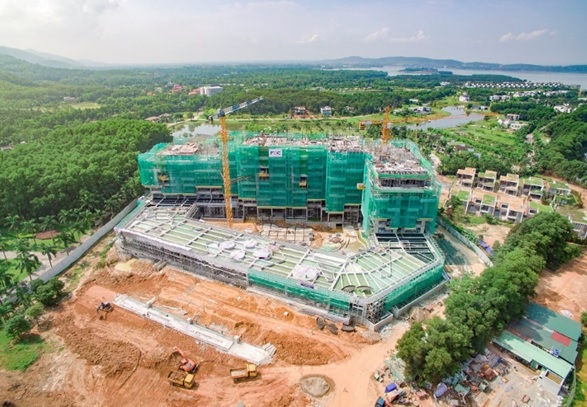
x: 533, y: 354
x: 547, y: 339
x: 367, y: 273
x: 553, y: 321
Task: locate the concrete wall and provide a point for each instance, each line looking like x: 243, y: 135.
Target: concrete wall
x: 78, y: 252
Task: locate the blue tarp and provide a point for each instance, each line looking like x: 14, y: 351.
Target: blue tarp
x: 440, y: 389
x: 486, y: 247
x: 390, y: 387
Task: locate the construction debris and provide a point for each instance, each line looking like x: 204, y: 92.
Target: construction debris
x: 221, y: 342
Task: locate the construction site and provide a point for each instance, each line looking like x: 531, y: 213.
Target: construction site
x: 385, y: 192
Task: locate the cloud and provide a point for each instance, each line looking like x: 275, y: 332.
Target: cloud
x: 313, y: 38
x: 374, y: 36
x: 524, y: 36
x: 99, y: 6
x: 383, y: 34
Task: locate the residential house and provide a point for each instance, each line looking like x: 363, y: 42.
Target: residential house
x: 509, y: 184
x: 481, y: 203
x: 558, y: 188
x: 564, y: 108
x: 464, y: 97
x: 466, y: 177
x: 512, y: 209
x: 299, y: 111
x: 512, y: 117
x: 326, y: 111
x: 533, y: 187
x: 486, y: 180
x: 517, y: 125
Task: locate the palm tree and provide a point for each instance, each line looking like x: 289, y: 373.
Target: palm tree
x: 66, y: 238
x: 4, y: 245
x: 49, y: 251
x: 26, y: 260
x: 13, y: 222
x: 5, y: 276
x: 46, y: 223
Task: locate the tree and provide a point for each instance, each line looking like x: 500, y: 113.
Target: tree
x: 34, y: 312
x: 49, y: 293
x: 412, y: 350
x: 5, y: 310
x: 584, y: 318
x: 5, y: 276
x: 27, y: 261
x: 17, y: 326
x: 546, y: 234
x: 4, y: 245
x: 49, y: 251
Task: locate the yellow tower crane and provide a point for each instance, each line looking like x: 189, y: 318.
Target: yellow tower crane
x: 386, y: 127
x: 221, y: 115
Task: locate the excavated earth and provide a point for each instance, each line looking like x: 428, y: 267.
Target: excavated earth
x: 122, y: 359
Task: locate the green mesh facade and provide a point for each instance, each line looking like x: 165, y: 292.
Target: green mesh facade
x: 344, y: 170
x: 290, y: 287
x: 408, y: 292
x: 291, y: 175
x: 400, y: 207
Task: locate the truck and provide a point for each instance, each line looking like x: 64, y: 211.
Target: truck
x: 248, y: 372
x: 181, y: 379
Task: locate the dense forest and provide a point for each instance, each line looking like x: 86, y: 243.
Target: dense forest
x: 91, y: 166
x: 564, y: 155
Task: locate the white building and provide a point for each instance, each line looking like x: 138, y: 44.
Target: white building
x: 210, y: 90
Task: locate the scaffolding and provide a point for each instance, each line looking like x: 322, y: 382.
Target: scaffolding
x: 401, y: 191
x: 337, y: 180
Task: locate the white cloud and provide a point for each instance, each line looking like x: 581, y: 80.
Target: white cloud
x: 524, y: 36
x: 383, y: 34
x: 313, y: 38
x: 420, y: 36
x: 374, y: 36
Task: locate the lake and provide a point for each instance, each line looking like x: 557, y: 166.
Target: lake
x: 457, y: 117
x: 562, y: 77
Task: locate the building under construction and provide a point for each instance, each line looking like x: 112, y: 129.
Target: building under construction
x: 388, y: 192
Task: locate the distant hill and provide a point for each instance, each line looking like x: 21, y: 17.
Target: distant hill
x: 40, y: 58
x: 417, y: 62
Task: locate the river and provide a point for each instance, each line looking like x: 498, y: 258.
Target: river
x: 457, y: 117
x: 562, y: 77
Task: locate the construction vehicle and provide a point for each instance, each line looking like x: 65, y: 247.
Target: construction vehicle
x: 185, y: 363
x: 104, y: 308
x: 181, y: 379
x: 221, y: 114
x: 248, y: 372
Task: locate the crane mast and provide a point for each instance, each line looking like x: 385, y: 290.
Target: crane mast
x: 226, y: 171
x: 221, y: 115
x: 385, y: 130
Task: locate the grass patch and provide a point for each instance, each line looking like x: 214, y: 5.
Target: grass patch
x: 21, y: 355
x: 14, y: 270
x: 74, y: 276
x: 86, y: 105
x: 472, y: 220
x: 581, y: 389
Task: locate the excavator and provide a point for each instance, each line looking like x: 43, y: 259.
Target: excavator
x: 185, y: 363
x: 184, y: 377
x: 104, y: 308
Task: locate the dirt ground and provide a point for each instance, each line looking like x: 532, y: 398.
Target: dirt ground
x: 564, y: 289
x: 491, y: 233
x: 124, y: 360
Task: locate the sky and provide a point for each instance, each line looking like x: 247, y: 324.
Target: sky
x: 193, y: 31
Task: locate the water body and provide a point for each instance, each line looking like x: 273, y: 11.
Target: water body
x: 562, y: 77
x: 191, y: 130
x: 457, y: 117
